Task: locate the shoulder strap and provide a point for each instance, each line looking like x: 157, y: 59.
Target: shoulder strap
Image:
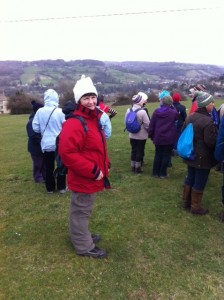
x: 81, y: 119
x: 137, y: 110
x: 48, y: 120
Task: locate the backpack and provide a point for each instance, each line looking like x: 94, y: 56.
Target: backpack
x: 131, y: 122
x: 61, y: 168
x: 185, y: 145
x: 219, y: 147
x: 215, y: 117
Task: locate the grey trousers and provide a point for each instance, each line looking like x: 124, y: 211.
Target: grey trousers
x: 80, y: 212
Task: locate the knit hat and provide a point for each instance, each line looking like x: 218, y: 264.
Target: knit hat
x: 163, y: 94
x: 204, y: 99
x: 138, y: 99
x: 198, y: 87
x: 51, y: 98
x: 36, y: 106
x: 84, y: 86
x: 143, y: 95
x: 176, y: 97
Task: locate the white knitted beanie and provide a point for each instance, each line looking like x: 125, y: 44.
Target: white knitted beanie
x: 83, y: 86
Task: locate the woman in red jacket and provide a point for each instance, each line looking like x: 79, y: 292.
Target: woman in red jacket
x: 84, y: 153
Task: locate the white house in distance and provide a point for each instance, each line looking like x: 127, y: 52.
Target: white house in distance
x: 3, y: 104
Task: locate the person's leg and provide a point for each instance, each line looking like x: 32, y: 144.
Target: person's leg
x: 80, y: 212
x: 165, y: 159
x: 49, y: 159
x: 201, y: 177
x: 37, y: 168
x: 43, y: 167
x: 157, y: 161
x: 133, y: 153
x: 186, y: 197
x: 139, y: 155
x: 190, y: 178
x: 61, y: 182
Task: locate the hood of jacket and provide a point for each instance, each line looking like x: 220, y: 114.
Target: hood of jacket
x: 163, y: 111
x: 51, y: 98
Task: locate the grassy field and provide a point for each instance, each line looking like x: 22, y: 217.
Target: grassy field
x: 156, y: 250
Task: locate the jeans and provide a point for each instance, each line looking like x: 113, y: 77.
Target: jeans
x: 197, y: 178
x: 161, y: 160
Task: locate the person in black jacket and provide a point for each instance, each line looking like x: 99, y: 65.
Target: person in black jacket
x: 181, y: 109
x: 34, y: 148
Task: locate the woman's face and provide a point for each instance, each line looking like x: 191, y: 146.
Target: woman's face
x: 89, y: 101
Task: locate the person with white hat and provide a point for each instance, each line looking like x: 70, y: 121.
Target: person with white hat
x: 84, y: 153
x: 138, y: 139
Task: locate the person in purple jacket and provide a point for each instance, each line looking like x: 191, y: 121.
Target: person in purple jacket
x: 163, y: 132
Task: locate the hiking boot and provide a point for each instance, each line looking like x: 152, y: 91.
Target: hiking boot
x: 96, y: 238
x: 196, y: 198
x: 155, y: 176
x: 186, y: 197
x: 95, y: 253
x: 138, y: 170
x: 63, y: 191
x: 133, y: 169
x: 164, y: 177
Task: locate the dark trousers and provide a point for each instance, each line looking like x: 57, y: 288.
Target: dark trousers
x: 197, y: 178
x: 49, y: 159
x: 178, y: 135
x: 137, y: 150
x: 39, y: 169
x: 161, y: 159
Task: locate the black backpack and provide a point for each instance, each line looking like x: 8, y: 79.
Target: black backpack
x: 61, y: 168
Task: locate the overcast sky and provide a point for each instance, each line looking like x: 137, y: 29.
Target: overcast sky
x: 188, y: 31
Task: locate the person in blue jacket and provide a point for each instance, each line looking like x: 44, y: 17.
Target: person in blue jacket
x: 34, y: 148
x: 219, y: 155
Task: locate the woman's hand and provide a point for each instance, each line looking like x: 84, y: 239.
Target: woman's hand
x: 100, y: 176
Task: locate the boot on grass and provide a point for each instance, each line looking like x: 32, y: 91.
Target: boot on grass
x: 186, y: 197
x: 196, y: 198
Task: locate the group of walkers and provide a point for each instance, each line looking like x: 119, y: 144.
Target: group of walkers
x: 164, y: 129
x: 82, y: 128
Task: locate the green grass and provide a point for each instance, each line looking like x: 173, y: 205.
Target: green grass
x: 156, y: 250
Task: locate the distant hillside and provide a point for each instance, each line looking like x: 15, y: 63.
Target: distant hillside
x: 110, y: 77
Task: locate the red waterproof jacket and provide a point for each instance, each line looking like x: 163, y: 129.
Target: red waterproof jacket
x: 194, y: 107
x: 84, y: 153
